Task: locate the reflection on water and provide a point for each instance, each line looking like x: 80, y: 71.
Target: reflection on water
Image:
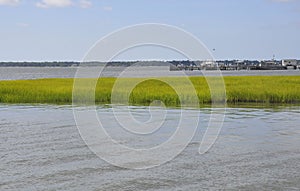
x: 40, y: 149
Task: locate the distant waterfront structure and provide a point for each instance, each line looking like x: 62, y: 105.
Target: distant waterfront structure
x: 209, y: 63
x: 273, y: 64
x: 289, y: 62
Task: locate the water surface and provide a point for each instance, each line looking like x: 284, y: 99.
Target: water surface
x: 13, y: 73
x: 258, y: 149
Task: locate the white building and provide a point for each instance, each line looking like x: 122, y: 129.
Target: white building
x: 289, y: 62
x: 209, y: 63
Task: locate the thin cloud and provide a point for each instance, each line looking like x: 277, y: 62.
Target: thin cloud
x: 283, y: 1
x: 54, y: 3
x: 24, y: 25
x: 85, y: 4
x: 9, y: 2
x: 107, y: 8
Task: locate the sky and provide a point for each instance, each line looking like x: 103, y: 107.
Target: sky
x: 64, y: 30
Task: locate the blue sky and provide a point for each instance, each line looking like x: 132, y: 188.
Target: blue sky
x: 47, y: 30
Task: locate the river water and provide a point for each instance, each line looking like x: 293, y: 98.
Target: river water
x: 257, y: 149
x: 12, y: 73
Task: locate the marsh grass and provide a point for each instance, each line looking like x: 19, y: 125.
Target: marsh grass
x: 256, y: 89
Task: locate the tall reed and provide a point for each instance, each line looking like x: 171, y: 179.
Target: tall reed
x: 246, y: 89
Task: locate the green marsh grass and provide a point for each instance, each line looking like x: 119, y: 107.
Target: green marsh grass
x: 239, y: 89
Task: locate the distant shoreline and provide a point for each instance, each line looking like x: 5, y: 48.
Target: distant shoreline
x: 186, y: 65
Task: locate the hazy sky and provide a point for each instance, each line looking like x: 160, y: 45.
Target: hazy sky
x: 35, y: 30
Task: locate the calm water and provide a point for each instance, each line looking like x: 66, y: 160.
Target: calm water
x: 11, y: 73
x: 258, y: 149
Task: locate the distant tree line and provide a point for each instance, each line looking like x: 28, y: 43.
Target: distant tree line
x: 75, y: 64
x: 38, y: 64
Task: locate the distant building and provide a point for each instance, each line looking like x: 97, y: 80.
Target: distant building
x: 289, y: 62
x: 267, y: 63
x: 209, y: 63
x: 239, y: 62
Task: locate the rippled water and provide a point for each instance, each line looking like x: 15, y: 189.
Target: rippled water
x: 258, y: 149
x: 11, y: 73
